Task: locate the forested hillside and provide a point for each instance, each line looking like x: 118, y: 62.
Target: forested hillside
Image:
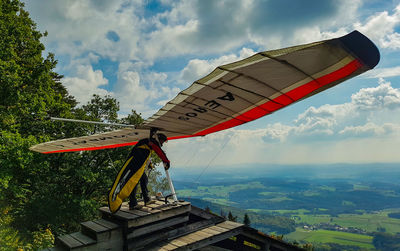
x: 45, y: 195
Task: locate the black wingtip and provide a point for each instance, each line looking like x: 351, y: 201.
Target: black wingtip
x: 362, y: 47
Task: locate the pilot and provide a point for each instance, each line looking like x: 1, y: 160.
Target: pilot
x: 133, y: 172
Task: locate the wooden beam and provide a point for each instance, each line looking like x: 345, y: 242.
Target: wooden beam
x: 157, y: 226
x: 174, y: 233
x: 159, y: 215
x: 210, y: 240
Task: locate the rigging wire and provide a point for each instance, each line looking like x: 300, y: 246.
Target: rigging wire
x: 216, y: 155
x: 112, y: 162
x: 192, y: 156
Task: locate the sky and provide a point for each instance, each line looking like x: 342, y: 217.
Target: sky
x: 144, y: 52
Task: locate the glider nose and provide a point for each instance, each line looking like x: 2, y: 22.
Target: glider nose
x: 361, y: 47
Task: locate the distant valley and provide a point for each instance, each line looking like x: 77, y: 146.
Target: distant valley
x: 345, y: 205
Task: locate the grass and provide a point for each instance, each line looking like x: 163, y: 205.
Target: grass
x: 360, y: 187
x: 327, y: 188
x: 327, y: 236
x: 220, y: 201
x: 278, y: 199
x: 221, y: 192
x: 367, y: 222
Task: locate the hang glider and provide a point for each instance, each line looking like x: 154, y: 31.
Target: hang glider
x: 243, y: 91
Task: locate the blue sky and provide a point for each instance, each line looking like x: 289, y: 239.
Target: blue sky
x: 144, y: 52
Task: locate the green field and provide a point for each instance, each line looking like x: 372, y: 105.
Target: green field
x: 221, y: 192
x: 278, y: 203
x: 326, y: 236
x: 367, y: 222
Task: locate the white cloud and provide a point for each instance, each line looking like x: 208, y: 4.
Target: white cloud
x: 352, y: 132
x: 132, y: 94
x: 77, y: 27
x: 86, y: 83
x: 140, y: 93
x: 383, y: 72
x: 370, y: 130
x: 381, y: 97
x: 381, y: 28
x: 203, y: 26
x: 126, y: 33
x: 197, y: 68
x: 361, y: 117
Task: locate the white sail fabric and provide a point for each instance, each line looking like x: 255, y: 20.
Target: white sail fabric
x: 243, y: 91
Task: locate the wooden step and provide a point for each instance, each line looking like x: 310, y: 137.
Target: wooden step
x: 74, y: 241
x: 147, y: 214
x: 150, y: 228
x: 101, y: 230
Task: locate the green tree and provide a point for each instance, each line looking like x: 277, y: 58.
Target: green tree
x: 231, y: 217
x: 246, y: 220
x: 46, y: 194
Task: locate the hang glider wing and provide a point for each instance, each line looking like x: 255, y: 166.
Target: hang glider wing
x: 246, y: 90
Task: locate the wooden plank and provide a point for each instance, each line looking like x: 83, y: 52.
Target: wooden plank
x: 204, y: 233
x: 142, y: 241
x: 107, y: 224
x: 159, y: 247
x: 119, y: 215
x: 152, y: 206
x: 146, y: 209
x: 158, y: 202
x: 125, y: 215
x: 184, y: 203
x: 214, y: 239
x: 210, y: 231
x: 157, y: 226
x: 201, y: 235
x: 157, y: 216
x: 69, y: 241
x: 178, y: 243
x: 83, y: 238
x: 95, y: 227
x: 139, y: 212
x: 187, y: 239
x: 218, y: 229
x: 134, y: 212
x: 169, y: 246
x: 232, y: 223
x: 228, y: 226
x: 201, y: 213
x: 94, y: 230
x: 195, y: 236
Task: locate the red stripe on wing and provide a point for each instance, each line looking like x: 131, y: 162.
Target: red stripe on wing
x: 260, y: 111
x: 294, y: 95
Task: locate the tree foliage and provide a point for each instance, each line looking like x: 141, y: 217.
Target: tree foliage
x: 46, y: 194
x: 231, y: 217
x: 246, y: 220
x: 385, y: 241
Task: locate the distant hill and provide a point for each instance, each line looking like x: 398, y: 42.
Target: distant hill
x: 263, y: 222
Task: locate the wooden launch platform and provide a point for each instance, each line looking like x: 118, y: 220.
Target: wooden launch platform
x: 161, y: 226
